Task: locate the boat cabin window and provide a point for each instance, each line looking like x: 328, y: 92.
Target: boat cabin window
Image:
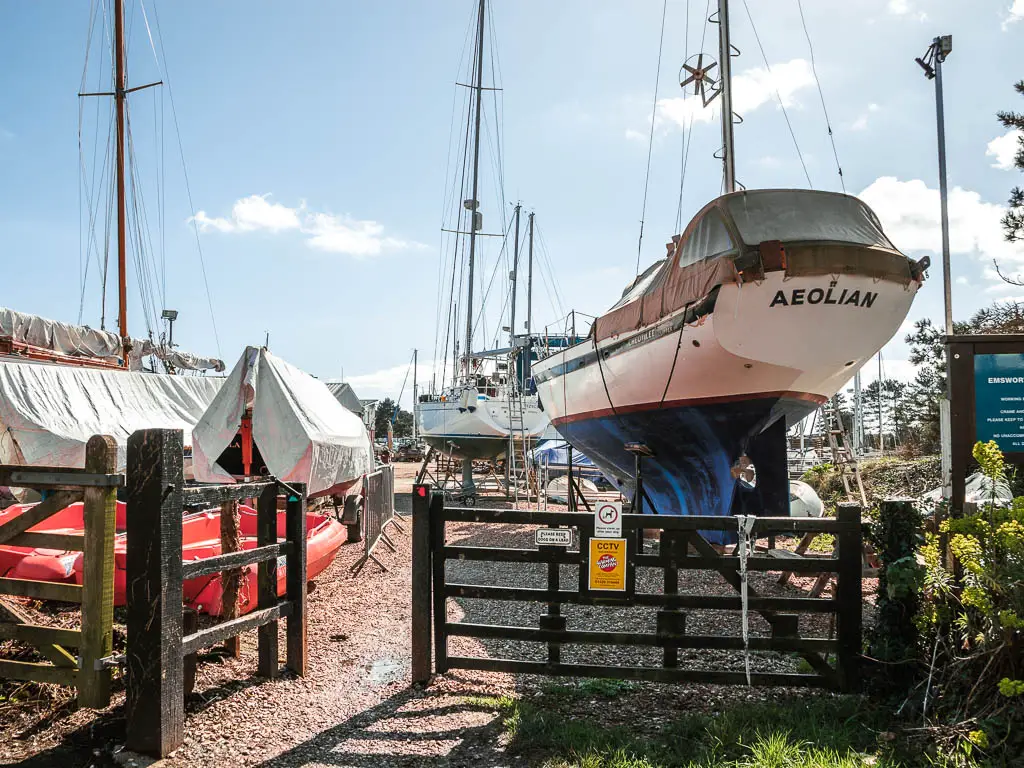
x: 709, y: 238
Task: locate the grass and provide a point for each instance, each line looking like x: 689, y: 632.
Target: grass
x: 826, y: 732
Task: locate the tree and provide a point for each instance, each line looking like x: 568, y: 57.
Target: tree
x: 401, y: 421
x: 1013, y: 221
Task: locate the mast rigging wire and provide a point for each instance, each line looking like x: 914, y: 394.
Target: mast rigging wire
x: 821, y: 95
x: 650, y: 142
x: 778, y: 96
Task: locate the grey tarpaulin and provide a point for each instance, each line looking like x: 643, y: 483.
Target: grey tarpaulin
x: 304, y: 434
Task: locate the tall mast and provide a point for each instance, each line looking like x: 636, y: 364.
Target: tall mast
x: 515, y: 280
x: 725, y: 67
x: 120, y: 88
x: 529, y: 284
x: 415, y: 392
x: 474, y: 203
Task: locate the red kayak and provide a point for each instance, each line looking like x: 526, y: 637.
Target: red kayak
x: 200, y: 539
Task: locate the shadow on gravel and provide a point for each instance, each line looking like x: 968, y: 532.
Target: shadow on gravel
x: 387, y: 735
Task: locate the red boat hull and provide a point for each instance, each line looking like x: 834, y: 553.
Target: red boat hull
x: 200, y: 540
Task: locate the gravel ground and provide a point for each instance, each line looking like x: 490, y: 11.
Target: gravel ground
x: 356, y: 707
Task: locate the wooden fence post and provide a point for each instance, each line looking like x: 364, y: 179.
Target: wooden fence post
x: 231, y: 579
x: 421, y: 495
x: 849, y: 549
x: 437, y: 528
x: 99, y: 514
x: 154, y: 706
x: 295, y: 565
x: 266, y: 580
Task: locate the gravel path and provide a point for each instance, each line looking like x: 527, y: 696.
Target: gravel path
x: 356, y: 707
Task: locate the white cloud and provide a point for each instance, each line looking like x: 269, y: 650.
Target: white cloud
x: 906, y: 8
x: 751, y: 89
x: 323, y: 231
x: 1016, y: 14
x: 909, y: 211
x: 962, y: 281
x: 252, y: 213
x: 634, y: 135
x: 1004, y: 148
x: 387, y: 382
x: 862, y: 121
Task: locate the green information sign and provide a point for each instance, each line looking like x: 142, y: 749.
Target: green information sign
x: 999, y: 400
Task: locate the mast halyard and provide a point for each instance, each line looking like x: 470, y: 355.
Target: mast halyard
x: 725, y: 68
x: 473, y: 203
x: 120, y: 91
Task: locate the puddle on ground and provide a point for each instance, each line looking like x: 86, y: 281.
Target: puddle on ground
x: 384, y: 671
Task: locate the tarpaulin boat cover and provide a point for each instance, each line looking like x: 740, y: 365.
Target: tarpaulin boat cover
x: 823, y: 233
x: 303, y: 433
x: 48, y: 412
x: 82, y: 341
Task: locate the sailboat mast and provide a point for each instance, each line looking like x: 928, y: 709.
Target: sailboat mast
x: 515, y: 280
x: 415, y: 392
x: 725, y: 67
x: 529, y: 284
x: 120, y: 87
x: 474, y: 203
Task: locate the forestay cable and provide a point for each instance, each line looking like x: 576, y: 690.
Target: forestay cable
x: 650, y: 143
x: 821, y: 95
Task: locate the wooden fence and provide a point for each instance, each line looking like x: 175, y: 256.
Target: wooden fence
x: 157, y: 642
x: 96, y: 485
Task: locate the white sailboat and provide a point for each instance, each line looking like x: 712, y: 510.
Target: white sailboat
x: 765, y: 306
x: 487, y: 410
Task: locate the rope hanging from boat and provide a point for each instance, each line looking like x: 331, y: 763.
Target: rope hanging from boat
x: 745, y: 525
x: 650, y: 143
x: 821, y: 95
x: 778, y: 96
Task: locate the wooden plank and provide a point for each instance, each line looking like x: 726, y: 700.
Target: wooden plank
x: 192, y: 569
x: 39, y: 673
x: 231, y: 579
x: 11, y: 612
x: 420, y: 618
x: 100, y: 513
x: 580, y: 637
x: 40, y: 635
x: 41, y: 590
x: 266, y: 580
x: 210, y: 636
x: 654, y: 674
x: 849, y: 618
x: 762, y: 525
x: 57, y: 478
x: 36, y: 514
x: 295, y: 565
x: 437, y: 549
x: 704, y: 602
x: 62, y: 542
x: 214, y: 495
x: 154, y: 705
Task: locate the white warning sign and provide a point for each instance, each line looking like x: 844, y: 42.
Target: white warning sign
x: 608, y: 520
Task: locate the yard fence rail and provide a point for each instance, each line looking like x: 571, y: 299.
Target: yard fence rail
x: 96, y: 486
x: 378, y: 513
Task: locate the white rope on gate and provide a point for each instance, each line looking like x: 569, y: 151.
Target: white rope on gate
x: 744, y: 546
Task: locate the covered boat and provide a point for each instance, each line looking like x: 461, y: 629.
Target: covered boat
x: 765, y: 306
x: 269, y: 415
x: 48, y: 411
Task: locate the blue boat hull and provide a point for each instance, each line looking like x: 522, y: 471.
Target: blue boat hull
x: 695, y: 447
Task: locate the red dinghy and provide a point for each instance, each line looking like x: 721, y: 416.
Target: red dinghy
x: 200, y: 540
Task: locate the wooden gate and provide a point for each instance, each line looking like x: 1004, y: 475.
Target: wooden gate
x: 679, y: 547
x: 96, y: 486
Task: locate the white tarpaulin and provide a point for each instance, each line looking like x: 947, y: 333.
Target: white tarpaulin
x: 303, y: 433
x: 48, y: 412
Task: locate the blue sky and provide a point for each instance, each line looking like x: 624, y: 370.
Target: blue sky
x: 316, y: 138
